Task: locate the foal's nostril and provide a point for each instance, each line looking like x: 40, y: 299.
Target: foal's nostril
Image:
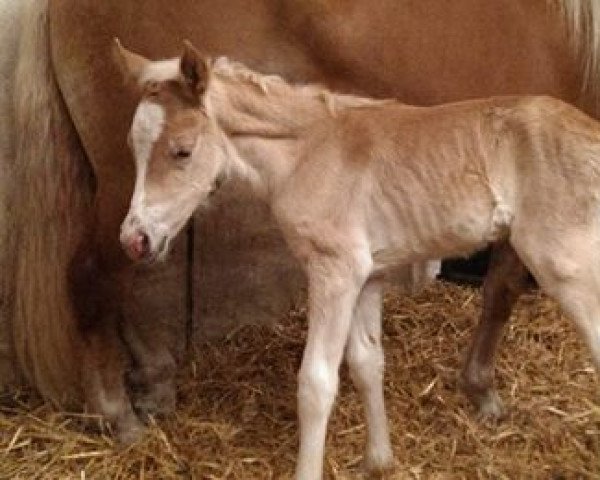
x: 145, y: 242
x: 140, y: 245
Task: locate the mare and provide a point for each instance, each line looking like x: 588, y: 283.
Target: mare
x: 358, y: 186
x: 69, y: 299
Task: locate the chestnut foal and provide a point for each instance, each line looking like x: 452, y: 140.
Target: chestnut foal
x: 359, y: 186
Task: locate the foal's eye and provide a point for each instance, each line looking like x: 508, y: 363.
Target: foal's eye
x: 152, y: 88
x: 181, y: 149
x: 182, y: 153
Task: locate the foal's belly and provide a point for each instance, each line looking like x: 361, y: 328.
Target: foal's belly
x: 433, y: 232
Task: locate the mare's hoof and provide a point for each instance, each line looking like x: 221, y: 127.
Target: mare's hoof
x: 485, y: 399
x: 160, y: 401
x: 129, y: 432
x: 489, y: 406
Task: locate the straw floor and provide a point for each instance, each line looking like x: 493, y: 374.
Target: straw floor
x: 237, y: 412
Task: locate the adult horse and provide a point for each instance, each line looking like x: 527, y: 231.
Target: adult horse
x: 72, y: 282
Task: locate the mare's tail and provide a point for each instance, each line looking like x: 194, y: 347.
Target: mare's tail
x: 583, y: 22
x: 49, y: 201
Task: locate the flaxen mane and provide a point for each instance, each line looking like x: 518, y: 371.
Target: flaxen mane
x: 277, y: 86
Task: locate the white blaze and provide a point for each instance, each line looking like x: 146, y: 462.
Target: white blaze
x: 148, y: 124
x: 160, y: 71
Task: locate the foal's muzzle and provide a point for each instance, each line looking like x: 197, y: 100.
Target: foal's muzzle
x: 136, y: 245
x: 142, y: 242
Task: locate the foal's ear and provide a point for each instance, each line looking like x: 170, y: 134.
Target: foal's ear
x: 131, y: 64
x: 194, y: 69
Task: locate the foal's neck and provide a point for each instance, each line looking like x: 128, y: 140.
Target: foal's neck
x: 267, y: 107
x: 267, y: 123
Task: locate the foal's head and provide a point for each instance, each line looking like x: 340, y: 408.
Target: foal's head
x: 180, y: 152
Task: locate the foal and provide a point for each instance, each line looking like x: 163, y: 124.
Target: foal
x: 359, y: 186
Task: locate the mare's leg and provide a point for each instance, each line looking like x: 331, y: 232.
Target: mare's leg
x: 152, y: 375
x: 333, y: 289
x: 505, y: 280
x: 365, y: 358
x: 104, y: 363
x: 96, y: 299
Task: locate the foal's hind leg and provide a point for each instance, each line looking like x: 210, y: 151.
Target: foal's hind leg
x: 581, y: 302
x: 569, y: 271
x: 505, y: 280
x: 364, y: 355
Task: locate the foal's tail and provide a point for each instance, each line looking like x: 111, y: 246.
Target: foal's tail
x: 51, y: 194
x: 583, y: 21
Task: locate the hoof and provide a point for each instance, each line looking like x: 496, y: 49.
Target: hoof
x: 160, y: 401
x: 485, y: 399
x: 490, y: 406
x: 153, y: 390
x: 129, y: 432
x: 379, y: 462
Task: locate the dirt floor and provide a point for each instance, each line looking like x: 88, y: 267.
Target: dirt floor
x: 237, y: 412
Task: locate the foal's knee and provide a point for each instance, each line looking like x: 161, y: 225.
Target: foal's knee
x: 365, y: 361
x: 317, y: 386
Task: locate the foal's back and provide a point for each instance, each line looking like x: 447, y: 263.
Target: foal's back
x: 448, y: 179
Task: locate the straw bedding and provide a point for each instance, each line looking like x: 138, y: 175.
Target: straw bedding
x: 236, y: 417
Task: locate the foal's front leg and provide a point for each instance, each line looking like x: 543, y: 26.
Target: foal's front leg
x: 333, y: 289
